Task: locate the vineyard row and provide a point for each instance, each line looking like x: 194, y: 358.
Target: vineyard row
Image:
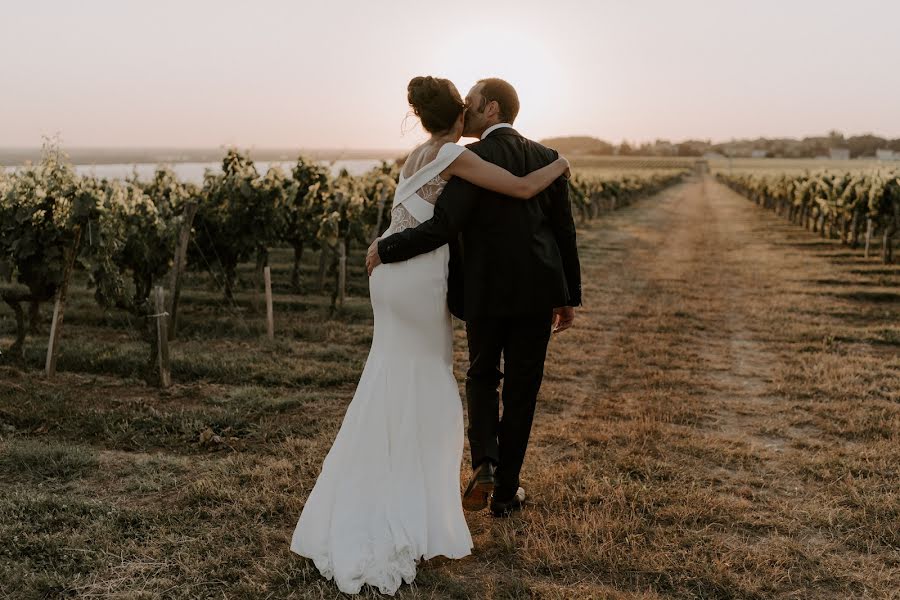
x: 836, y: 205
x: 132, y: 236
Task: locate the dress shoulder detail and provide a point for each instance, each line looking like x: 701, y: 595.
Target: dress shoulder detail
x: 451, y: 150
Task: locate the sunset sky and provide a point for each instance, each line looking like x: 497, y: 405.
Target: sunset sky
x: 279, y: 73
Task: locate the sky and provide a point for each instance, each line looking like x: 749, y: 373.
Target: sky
x: 333, y: 74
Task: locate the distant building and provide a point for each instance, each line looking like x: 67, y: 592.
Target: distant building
x: 758, y: 154
x: 883, y: 154
x: 839, y: 153
x: 665, y: 149
x: 713, y: 156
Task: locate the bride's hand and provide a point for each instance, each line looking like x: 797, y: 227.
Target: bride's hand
x: 565, y: 161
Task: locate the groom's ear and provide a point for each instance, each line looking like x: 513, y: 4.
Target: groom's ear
x: 493, y: 109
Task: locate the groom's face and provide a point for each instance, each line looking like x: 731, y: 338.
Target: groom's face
x: 476, y: 118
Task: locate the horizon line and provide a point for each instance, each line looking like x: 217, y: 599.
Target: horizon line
x: 332, y: 149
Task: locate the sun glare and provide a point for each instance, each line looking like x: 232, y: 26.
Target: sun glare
x: 532, y: 68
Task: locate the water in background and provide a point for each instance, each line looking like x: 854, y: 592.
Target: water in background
x: 193, y: 171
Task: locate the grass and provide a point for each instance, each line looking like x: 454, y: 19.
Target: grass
x: 722, y: 422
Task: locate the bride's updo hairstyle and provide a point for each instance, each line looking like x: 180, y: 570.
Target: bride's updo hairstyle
x: 435, y: 101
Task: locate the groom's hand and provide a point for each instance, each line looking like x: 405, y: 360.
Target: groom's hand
x: 563, y: 317
x: 372, y: 258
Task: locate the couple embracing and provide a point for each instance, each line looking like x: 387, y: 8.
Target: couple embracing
x: 484, y: 232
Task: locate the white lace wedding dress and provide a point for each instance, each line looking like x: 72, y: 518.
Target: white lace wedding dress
x: 389, y: 490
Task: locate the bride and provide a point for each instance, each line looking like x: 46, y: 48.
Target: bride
x: 388, y: 493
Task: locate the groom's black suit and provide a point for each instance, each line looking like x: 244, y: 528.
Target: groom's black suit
x: 511, y: 262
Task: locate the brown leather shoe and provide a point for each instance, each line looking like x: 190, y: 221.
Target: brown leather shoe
x: 480, y: 487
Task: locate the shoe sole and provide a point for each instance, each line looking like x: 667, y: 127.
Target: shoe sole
x: 506, y: 512
x: 509, y: 509
x: 477, y: 497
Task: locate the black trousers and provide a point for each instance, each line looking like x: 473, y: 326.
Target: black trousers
x: 522, y: 341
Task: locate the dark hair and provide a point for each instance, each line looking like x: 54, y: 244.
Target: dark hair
x: 505, y: 95
x: 435, y: 101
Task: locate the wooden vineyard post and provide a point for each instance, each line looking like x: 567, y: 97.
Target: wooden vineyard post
x: 262, y: 259
x: 59, y: 307
x: 342, y: 271
x: 50, y: 365
x: 270, y: 322
x: 165, y: 379
x: 178, y: 268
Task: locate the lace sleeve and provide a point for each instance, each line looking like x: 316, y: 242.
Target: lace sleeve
x: 431, y: 190
x: 400, y: 220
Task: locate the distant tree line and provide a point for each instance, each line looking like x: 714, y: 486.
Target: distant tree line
x: 860, y: 146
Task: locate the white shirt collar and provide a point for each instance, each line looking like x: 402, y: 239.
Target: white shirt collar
x: 493, y: 127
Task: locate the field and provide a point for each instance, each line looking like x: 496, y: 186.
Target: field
x: 722, y: 422
x: 631, y: 163
x: 795, y: 165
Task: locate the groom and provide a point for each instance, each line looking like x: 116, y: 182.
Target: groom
x: 514, y: 278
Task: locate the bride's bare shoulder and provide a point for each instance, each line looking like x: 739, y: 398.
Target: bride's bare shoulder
x: 418, y: 157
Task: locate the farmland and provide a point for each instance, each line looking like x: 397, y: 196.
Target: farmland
x: 722, y: 422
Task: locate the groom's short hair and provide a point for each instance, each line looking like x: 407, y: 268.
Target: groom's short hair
x: 505, y: 95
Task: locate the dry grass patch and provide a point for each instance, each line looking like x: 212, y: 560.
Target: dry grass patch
x: 721, y: 423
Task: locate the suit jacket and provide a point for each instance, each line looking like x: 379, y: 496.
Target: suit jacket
x: 508, y: 257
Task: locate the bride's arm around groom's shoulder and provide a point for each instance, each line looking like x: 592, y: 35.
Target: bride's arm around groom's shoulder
x: 468, y: 171
x: 483, y: 173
